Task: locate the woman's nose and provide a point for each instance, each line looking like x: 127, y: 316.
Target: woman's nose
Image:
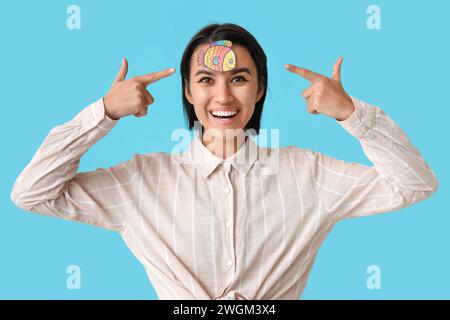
x: 223, y: 94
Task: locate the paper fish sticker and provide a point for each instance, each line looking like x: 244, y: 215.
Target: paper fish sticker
x: 218, y: 57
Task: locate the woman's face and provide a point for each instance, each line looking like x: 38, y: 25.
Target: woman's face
x: 224, y: 93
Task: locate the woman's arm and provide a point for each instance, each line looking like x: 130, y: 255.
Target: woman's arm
x: 50, y: 185
x: 400, y: 176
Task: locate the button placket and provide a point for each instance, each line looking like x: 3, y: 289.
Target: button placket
x: 228, y: 191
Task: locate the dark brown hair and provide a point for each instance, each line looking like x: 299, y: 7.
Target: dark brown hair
x: 237, y: 35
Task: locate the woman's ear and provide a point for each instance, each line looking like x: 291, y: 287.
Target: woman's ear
x: 260, y: 93
x: 187, y: 92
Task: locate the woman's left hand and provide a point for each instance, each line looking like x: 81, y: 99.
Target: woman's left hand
x: 325, y: 95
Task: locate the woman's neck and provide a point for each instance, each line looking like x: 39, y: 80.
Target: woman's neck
x: 223, y: 147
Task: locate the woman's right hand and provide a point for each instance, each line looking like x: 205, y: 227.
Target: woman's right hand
x: 130, y: 96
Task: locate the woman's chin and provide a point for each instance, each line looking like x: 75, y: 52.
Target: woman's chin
x: 224, y: 131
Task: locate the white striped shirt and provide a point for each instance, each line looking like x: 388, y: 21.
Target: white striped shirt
x: 242, y: 228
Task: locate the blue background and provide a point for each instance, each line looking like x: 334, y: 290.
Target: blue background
x: 49, y: 73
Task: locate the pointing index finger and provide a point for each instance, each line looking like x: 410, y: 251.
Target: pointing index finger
x: 303, y: 72
x: 147, y: 79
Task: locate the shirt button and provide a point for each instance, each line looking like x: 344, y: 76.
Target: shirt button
x: 226, y: 190
x: 228, y: 224
x: 229, y: 263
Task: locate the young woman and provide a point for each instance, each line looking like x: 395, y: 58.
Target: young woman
x: 223, y: 220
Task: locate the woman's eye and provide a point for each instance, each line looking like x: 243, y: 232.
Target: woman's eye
x: 209, y: 80
x: 205, y: 78
x: 240, y: 77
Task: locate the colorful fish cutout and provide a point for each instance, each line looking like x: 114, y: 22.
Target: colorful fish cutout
x: 218, y: 57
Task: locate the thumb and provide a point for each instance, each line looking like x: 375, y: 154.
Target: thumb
x: 337, y: 69
x: 123, y: 71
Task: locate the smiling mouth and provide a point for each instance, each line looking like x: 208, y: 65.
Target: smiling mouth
x: 224, y: 115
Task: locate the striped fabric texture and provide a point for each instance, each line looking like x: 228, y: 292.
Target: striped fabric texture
x: 247, y: 227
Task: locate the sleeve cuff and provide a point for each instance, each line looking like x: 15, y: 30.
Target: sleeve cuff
x: 94, y: 116
x: 353, y: 124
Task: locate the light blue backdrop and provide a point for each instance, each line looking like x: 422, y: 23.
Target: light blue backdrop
x: 49, y: 73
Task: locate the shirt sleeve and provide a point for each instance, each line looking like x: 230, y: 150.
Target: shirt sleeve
x: 50, y: 184
x: 398, y: 178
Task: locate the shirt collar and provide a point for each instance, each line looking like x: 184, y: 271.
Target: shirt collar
x: 206, y: 162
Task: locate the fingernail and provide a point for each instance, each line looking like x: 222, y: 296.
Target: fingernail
x: 171, y: 69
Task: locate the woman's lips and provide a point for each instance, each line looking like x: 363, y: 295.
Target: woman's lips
x: 224, y: 121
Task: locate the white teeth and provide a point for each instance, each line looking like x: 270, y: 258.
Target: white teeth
x: 224, y: 113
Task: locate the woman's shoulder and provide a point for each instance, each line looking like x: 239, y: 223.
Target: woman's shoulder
x: 151, y: 156
x: 138, y: 160
x: 160, y: 159
x: 292, y: 151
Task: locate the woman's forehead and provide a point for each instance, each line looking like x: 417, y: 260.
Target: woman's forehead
x: 243, y: 58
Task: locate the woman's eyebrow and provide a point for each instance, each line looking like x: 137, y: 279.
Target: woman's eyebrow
x: 239, y: 70
x: 234, y: 71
